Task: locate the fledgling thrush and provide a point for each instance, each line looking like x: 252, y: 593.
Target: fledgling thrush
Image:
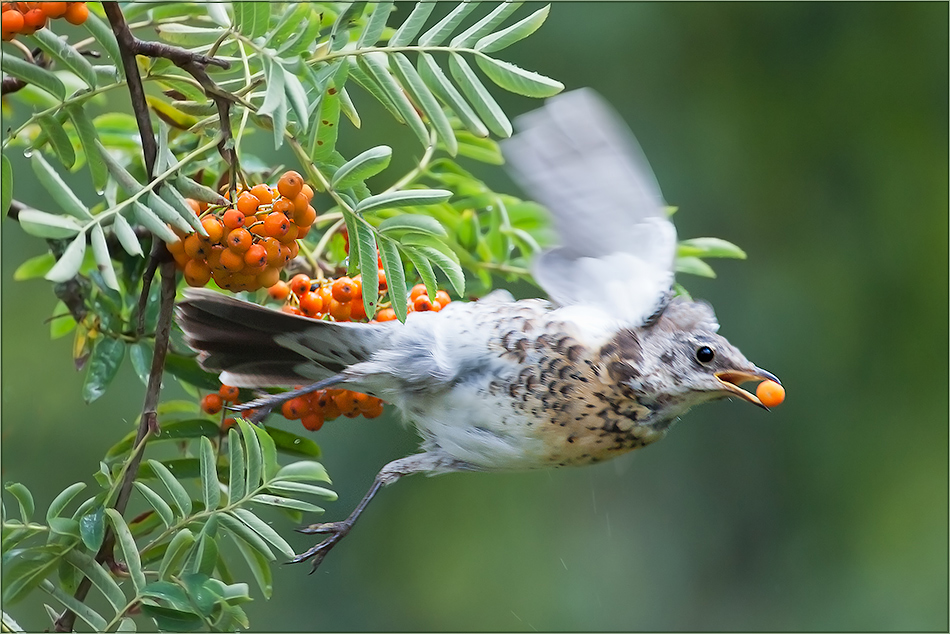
x: 604, y: 367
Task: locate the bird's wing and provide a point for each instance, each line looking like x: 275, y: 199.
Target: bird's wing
x: 579, y: 159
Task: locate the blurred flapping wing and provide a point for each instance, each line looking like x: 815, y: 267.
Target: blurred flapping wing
x: 579, y: 159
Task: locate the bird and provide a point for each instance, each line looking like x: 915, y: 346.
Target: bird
x: 603, y: 366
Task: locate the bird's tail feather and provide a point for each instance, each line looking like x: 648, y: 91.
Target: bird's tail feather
x: 253, y: 346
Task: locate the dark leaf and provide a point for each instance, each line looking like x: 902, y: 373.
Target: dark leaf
x: 103, y: 366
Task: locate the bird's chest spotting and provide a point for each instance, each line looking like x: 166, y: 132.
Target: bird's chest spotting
x: 570, y: 400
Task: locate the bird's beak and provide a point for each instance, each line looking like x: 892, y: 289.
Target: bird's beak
x: 730, y: 380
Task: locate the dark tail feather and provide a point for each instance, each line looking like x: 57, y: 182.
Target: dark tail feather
x: 253, y: 346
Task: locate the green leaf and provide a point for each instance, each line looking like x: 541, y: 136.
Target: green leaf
x: 449, y: 266
x: 413, y: 24
x: 167, y: 213
x: 325, y: 129
x: 170, y: 619
x: 65, y: 497
x: 56, y: 188
x: 205, y: 556
x: 426, y: 101
x: 369, y: 85
x: 217, y: 13
x: 99, y: 578
x: 34, y: 267
x: 436, y: 80
x: 175, y: 553
x: 514, y: 33
x: 259, y: 565
x: 92, y: 528
x: 130, y: 552
x: 126, y: 181
x: 352, y: 229
x: 6, y: 183
x: 485, y: 25
x: 289, y: 486
x: 103, y: 34
x: 126, y: 235
x: 302, y: 471
x: 64, y: 526
x: 291, y: 443
x: 297, y: 97
x: 377, y: 66
x: 174, y: 430
x: 140, y: 354
x: 268, y: 453
x: 694, y: 266
x: 58, y: 140
x: 425, y: 271
x: 242, y: 531
x: 361, y: 167
x: 518, y: 80
x: 34, y: 75
x: 412, y: 222
x: 88, y: 136
x: 375, y: 25
x: 287, y: 503
x: 275, y: 101
x: 190, y: 36
x: 395, y: 276
x: 61, y: 323
x: 175, y: 489
x: 126, y: 625
x: 253, y: 455
x: 251, y: 18
x: 147, y: 218
x: 100, y: 252
x: 303, y: 36
x: 61, y: 51
x: 236, y: 481
x: 187, y: 369
x: 68, y: 265
x: 480, y: 149
x: 83, y: 611
x: 156, y: 502
x: 25, y: 568
x: 264, y: 529
x: 486, y: 107
x: 199, y: 192
x: 103, y: 366
x: 210, y: 489
x: 447, y: 25
x: 43, y: 225
x: 369, y: 267
x: 339, y: 34
x: 403, y: 198
x: 709, y: 248
x: 347, y: 108
x: 24, y: 498
x: 289, y: 24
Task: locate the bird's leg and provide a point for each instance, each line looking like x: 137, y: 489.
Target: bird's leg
x: 431, y: 462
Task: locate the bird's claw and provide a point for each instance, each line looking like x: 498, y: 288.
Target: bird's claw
x: 335, y: 531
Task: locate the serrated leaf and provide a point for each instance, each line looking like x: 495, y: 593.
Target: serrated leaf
x: 100, y: 252
x: 486, y: 107
x: 324, y: 132
x: 259, y: 565
x: 518, y: 80
x: 694, y: 266
x: 395, y: 276
x: 377, y: 66
x: 34, y: 75
x: 199, y: 192
x: 709, y: 248
x: 58, y: 140
x: 103, y: 34
x: 103, y: 366
x: 361, y: 167
x: 290, y: 443
x: 369, y: 267
x: 88, y: 136
x: 123, y: 179
x: 175, y: 489
x: 6, y: 183
x: 68, y: 265
x: 289, y: 486
x: 126, y: 235
x: 167, y: 213
x: 433, y: 76
x: 147, y: 218
x: 287, y: 503
x: 58, y: 189
x: 92, y: 528
x: 24, y: 498
x: 83, y: 611
x: 268, y: 453
x: 130, y: 552
x: 176, y: 552
x: 297, y: 97
x: 449, y: 266
x: 447, y: 25
x: 264, y: 529
x: 240, y: 530
x: 426, y: 101
x: 60, y: 50
x: 251, y: 18
x: 99, y: 578
x: 375, y: 25
x: 303, y: 470
x: 485, y: 25
x: 514, y: 33
x: 403, y: 198
x: 156, y: 502
x: 252, y: 455
x: 206, y: 554
x: 412, y: 222
x: 368, y: 84
x: 65, y: 497
x: 424, y: 269
x: 237, y: 484
x: 413, y: 24
x: 45, y: 225
x: 34, y: 267
x: 24, y: 569
x: 210, y: 490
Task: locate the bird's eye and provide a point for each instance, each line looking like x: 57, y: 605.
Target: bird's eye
x: 705, y: 354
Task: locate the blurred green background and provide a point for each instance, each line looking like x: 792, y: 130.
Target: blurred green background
x: 812, y: 135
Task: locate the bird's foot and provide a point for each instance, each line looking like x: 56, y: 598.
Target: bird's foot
x: 336, y: 531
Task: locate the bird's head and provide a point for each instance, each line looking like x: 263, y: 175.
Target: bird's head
x: 689, y: 363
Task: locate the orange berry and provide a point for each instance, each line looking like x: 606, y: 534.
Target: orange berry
x: 306, y: 217
x: 443, y: 298
x: 215, y: 229
x: 343, y: 289
x: 383, y: 284
x: 247, y: 203
x: 76, y: 13
x: 279, y: 291
x: 228, y: 393
x: 214, y: 256
x: 422, y: 303
x: 770, y: 393
x: 195, y: 247
x: 194, y: 205
x: 272, y: 248
x: 301, y: 202
x: 307, y: 191
x: 300, y: 284
x: 212, y: 404
x: 276, y: 224
x: 340, y: 311
x: 263, y: 193
x: 311, y: 304
x: 295, y: 408
x: 331, y: 411
x: 233, y: 219
x: 326, y: 294
x: 197, y: 273
x: 347, y: 403
x: 284, y: 206
x: 357, y: 309
x: 312, y: 421
x: 386, y: 314
x: 290, y: 235
x: 268, y: 277
x: 417, y: 290
x: 287, y: 253
x: 227, y: 424
x: 287, y: 308
x: 12, y: 21
x: 290, y: 184
x: 175, y: 247
x: 239, y: 240
x: 34, y: 19
x: 54, y: 9
x: 357, y: 287
x: 231, y: 261
x: 373, y: 411
x: 256, y: 256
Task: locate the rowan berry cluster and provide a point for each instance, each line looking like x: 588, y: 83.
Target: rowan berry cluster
x: 322, y: 405
x: 250, y: 241
x: 213, y: 403
x: 26, y: 18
